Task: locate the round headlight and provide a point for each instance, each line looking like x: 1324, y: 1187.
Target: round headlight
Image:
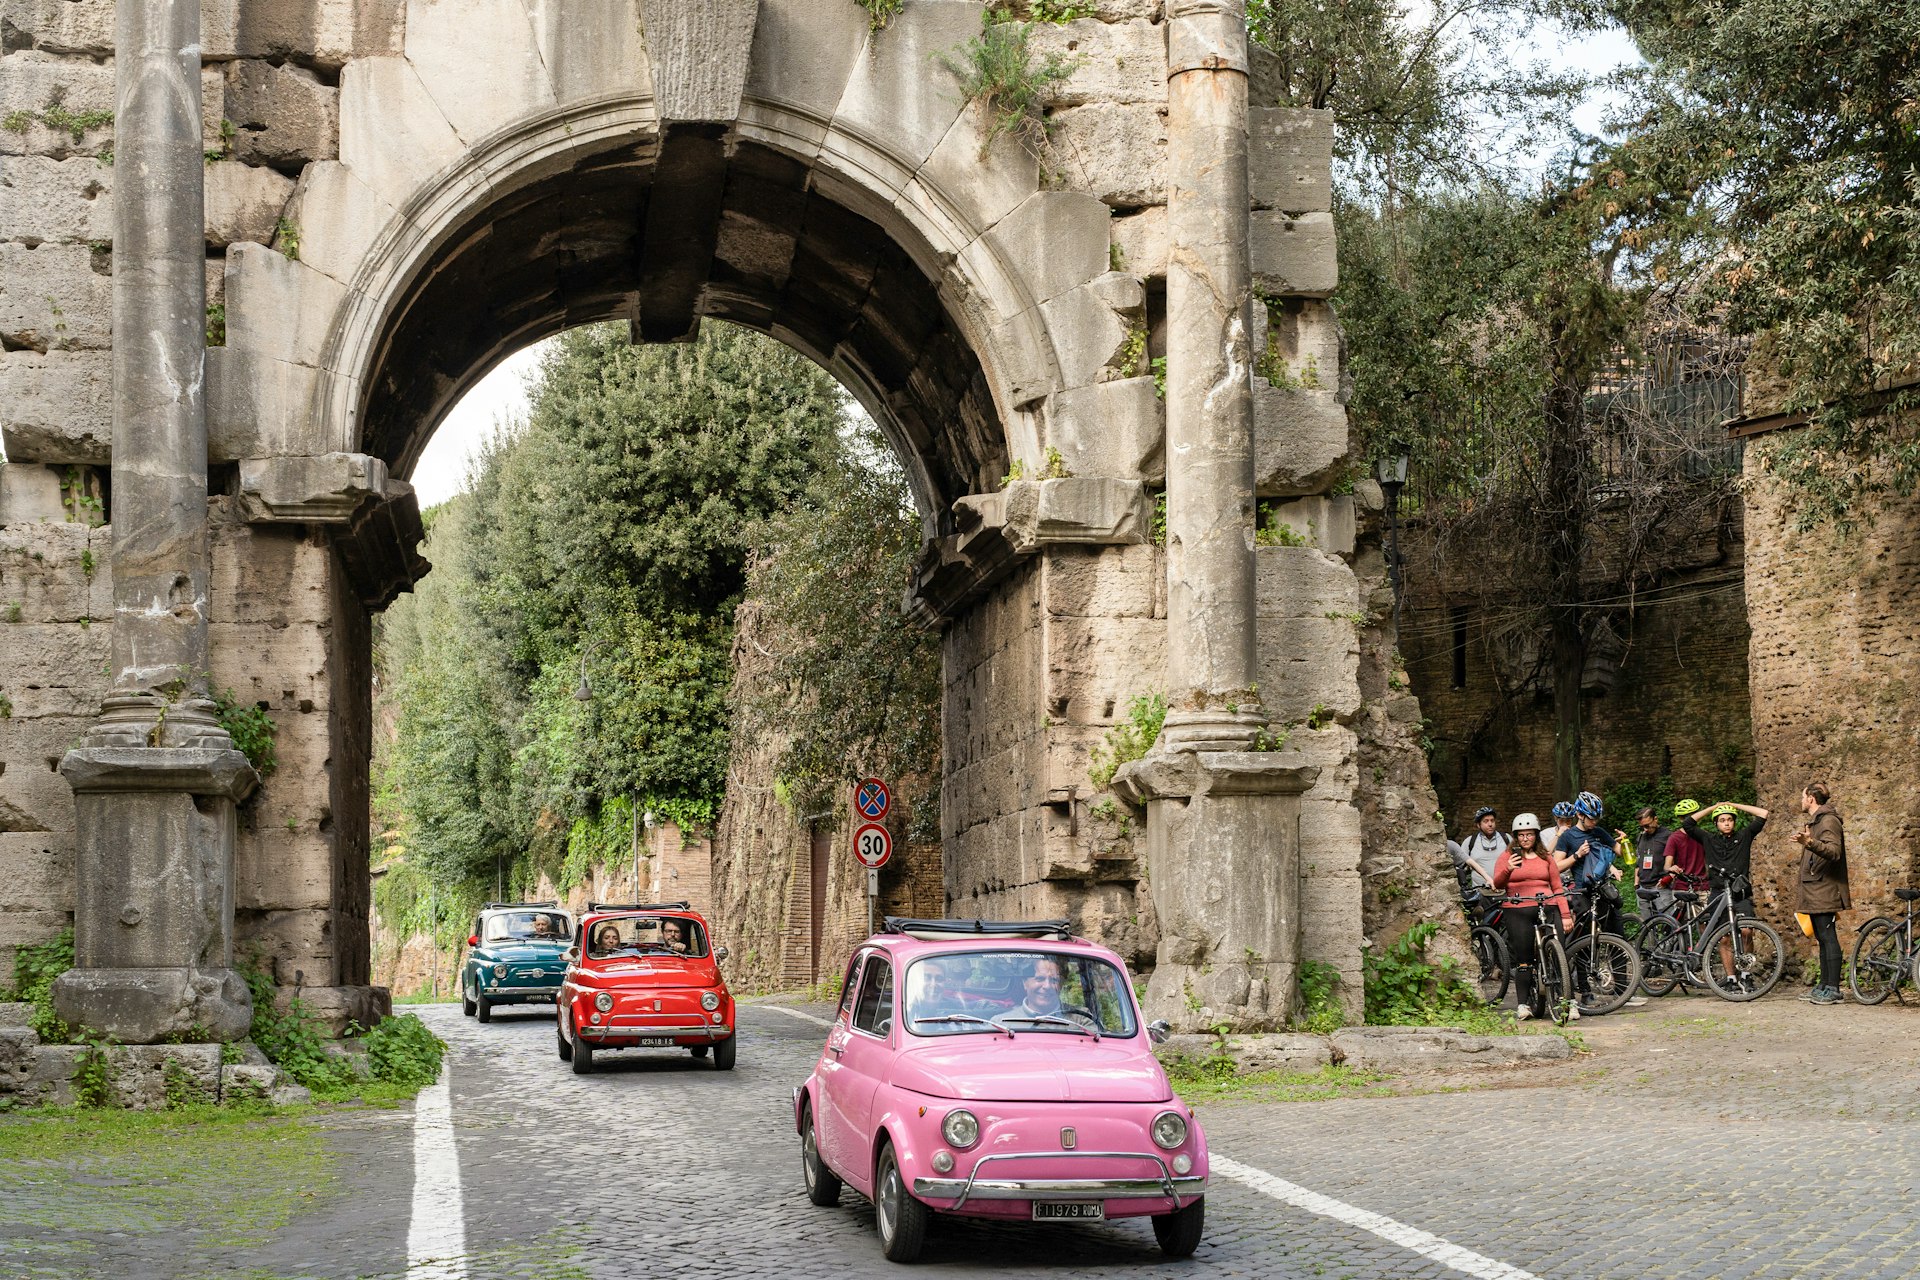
x: 943, y: 1162
x: 709, y: 1001
x: 1169, y: 1130
x: 499, y: 971
x: 960, y: 1129
x: 1182, y: 1163
x: 604, y: 1002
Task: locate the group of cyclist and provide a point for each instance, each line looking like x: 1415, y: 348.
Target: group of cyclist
x: 1572, y: 869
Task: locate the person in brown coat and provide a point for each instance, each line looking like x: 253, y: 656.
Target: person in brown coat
x: 1823, y: 884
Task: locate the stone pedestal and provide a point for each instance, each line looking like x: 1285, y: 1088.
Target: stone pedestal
x: 153, y: 925
x: 1223, y: 862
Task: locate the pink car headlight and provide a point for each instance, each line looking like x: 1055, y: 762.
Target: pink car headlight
x: 1169, y: 1130
x: 960, y: 1129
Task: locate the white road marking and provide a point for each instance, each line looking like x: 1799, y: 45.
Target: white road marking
x: 437, y: 1234
x: 815, y: 1019
x: 1421, y: 1242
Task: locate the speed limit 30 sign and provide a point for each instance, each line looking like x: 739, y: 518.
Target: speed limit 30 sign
x: 872, y: 845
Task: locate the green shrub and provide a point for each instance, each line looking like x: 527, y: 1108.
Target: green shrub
x: 401, y: 1051
x: 294, y: 1041
x: 1404, y: 988
x: 1319, y: 1007
x: 251, y: 729
x: 34, y: 969
x: 997, y: 71
x: 1128, y: 740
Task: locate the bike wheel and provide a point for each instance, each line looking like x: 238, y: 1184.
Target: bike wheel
x: 1878, y: 962
x: 1555, y: 989
x: 1663, y: 951
x: 1605, y: 969
x: 1496, y: 972
x: 1757, y: 960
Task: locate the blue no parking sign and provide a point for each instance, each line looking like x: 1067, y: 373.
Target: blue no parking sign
x: 872, y: 799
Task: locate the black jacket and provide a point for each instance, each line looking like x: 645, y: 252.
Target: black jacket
x: 1726, y: 855
x: 1650, y: 856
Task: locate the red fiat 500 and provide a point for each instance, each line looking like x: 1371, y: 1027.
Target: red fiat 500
x: 643, y: 976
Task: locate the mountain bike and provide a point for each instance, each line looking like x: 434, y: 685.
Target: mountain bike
x: 1604, y: 966
x: 1489, y: 947
x: 1739, y: 957
x: 1552, y: 980
x: 1884, y: 959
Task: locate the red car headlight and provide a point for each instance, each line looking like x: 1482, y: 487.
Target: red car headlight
x: 603, y: 1002
x: 709, y: 1001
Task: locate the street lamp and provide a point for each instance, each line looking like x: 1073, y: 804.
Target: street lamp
x: 584, y: 691
x: 1391, y: 472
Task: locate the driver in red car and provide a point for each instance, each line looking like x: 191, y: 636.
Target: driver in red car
x: 673, y: 935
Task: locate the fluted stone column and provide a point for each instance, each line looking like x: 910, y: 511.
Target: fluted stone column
x: 156, y: 781
x: 1213, y: 705
x: 1223, y: 821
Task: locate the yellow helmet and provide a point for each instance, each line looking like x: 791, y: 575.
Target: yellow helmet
x: 1686, y: 807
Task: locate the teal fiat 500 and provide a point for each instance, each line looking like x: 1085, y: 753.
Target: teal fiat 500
x: 516, y: 954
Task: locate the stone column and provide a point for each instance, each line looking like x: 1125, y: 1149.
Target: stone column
x: 157, y: 778
x: 1213, y: 705
x: 1223, y: 822
x: 1223, y: 860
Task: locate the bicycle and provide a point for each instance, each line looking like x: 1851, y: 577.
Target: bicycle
x: 1884, y: 956
x: 1489, y: 948
x: 1740, y: 958
x: 1604, y: 966
x: 1552, y: 982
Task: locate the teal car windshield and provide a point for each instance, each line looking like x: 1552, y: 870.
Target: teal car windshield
x: 527, y: 926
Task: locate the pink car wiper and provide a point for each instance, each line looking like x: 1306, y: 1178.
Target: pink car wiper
x: 1055, y: 1020
x: 965, y: 1017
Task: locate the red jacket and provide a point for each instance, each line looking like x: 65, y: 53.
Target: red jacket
x: 1530, y: 876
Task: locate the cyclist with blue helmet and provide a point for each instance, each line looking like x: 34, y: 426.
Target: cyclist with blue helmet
x: 1591, y: 846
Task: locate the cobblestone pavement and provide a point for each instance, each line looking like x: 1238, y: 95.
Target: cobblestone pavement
x: 1698, y: 1139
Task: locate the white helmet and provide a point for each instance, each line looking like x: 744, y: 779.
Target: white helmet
x: 1525, y: 822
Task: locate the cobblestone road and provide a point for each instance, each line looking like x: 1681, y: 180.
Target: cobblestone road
x: 1792, y: 1149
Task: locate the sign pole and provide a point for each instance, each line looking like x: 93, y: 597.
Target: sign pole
x: 872, y: 843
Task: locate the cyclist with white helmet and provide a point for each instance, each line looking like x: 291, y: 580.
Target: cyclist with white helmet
x: 1527, y: 869
x: 1481, y: 851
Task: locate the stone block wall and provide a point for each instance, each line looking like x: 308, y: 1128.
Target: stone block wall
x: 1833, y: 671
x: 1675, y: 702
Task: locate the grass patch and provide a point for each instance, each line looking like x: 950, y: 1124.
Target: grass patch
x: 199, y: 1176
x: 427, y: 997
x: 1215, y: 1080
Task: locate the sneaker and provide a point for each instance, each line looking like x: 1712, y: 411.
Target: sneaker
x: 1522, y: 1014
x: 1573, y: 1013
x: 1824, y: 995
x: 1812, y: 995
x: 1635, y: 1002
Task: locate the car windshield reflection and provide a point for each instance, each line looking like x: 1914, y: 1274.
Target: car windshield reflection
x: 646, y: 935
x: 528, y: 926
x: 1017, y: 993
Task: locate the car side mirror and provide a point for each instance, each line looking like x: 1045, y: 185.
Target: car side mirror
x: 1158, y: 1030
x: 719, y: 953
x: 473, y: 939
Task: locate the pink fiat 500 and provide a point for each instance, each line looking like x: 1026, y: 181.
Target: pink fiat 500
x: 997, y: 1070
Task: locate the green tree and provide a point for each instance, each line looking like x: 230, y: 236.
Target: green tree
x: 852, y: 684
x: 1780, y: 145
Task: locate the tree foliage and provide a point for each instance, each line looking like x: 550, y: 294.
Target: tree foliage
x: 604, y: 539
x: 852, y: 685
x: 1779, y: 142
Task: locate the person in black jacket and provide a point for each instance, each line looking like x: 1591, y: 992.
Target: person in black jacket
x: 1729, y: 860
x: 1650, y: 860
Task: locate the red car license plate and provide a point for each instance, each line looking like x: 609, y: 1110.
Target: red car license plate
x: 1068, y: 1210
x: 656, y: 1042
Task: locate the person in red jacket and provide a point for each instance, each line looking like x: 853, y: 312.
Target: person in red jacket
x: 1525, y: 869
x: 1686, y: 863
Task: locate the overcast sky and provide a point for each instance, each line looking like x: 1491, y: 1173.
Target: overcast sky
x: 502, y: 395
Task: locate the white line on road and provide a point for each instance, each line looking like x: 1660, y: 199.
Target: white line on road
x: 437, y: 1234
x: 817, y: 1020
x: 1421, y: 1242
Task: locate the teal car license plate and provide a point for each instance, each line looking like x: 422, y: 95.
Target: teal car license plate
x: 1068, y: 1211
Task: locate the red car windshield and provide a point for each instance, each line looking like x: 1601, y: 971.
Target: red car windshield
x: 646, y: 935
x: 1018, y: 991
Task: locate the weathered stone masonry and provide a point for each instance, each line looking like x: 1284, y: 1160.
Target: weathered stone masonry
x: 468, y: 176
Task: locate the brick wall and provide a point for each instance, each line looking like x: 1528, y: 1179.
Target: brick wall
x: 1834, y: 669
x: 1676, y: 704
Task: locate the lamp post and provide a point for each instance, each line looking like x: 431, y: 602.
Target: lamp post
x: 1391, y: 472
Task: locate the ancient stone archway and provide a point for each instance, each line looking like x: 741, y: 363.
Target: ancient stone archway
x: 505, y: 169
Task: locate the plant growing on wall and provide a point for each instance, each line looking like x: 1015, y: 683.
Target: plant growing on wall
x: 1128, y: 740
x: 1000, y: 74
x: 880, y: 12
x: 251, y: 729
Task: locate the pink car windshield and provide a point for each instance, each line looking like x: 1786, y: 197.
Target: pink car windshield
x: 1018, y: 991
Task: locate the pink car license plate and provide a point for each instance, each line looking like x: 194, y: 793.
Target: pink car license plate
x: 1068, y: 1211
